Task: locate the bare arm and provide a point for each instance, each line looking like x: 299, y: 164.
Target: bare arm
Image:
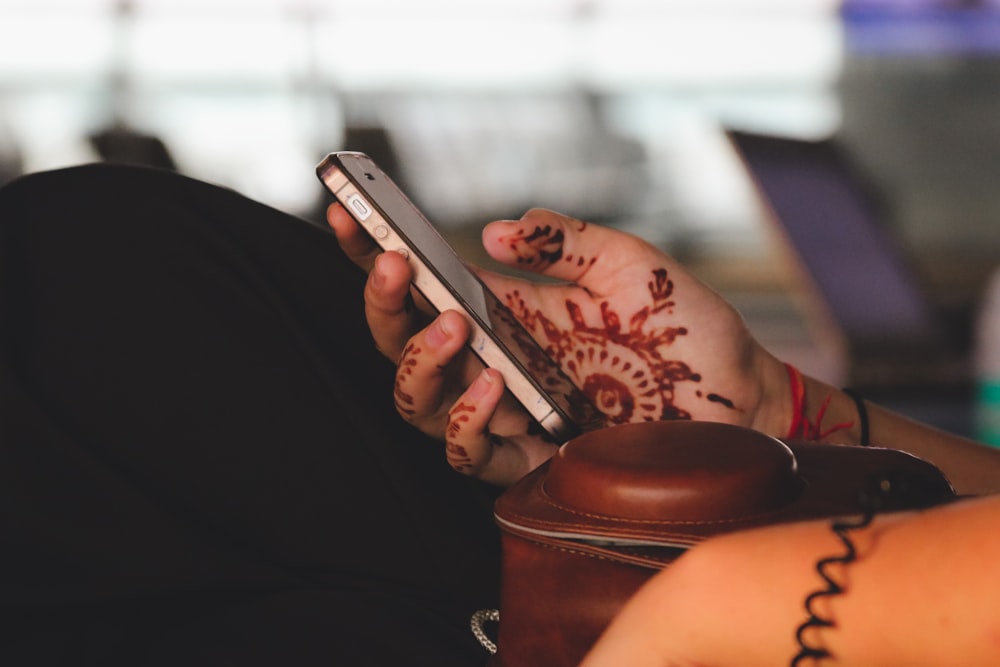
x: 971, y: 467
x: 923, y: 591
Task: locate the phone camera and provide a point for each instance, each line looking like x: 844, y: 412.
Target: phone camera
x: 370, y: 176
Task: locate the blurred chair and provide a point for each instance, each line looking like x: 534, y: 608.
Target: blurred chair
x: 897, y: 341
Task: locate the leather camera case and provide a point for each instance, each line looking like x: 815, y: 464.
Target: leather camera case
x: 584, y: 531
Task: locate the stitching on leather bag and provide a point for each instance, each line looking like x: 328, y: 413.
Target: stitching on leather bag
x: 579, y: 552
x: 659, y: 522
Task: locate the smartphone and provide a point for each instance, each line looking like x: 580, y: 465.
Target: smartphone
x: 447, y: 283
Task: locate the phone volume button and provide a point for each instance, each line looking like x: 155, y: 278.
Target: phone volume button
x: 381, y: 232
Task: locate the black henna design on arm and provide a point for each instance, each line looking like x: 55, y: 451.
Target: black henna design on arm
x: 890, y: 487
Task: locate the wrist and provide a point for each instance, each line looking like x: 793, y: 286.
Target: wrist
x: 823, y: 413
x: 775, y: 407
x: 794, y: 406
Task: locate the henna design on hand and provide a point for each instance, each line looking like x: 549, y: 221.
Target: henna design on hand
x: 623, y: 370
x: 722, y: 400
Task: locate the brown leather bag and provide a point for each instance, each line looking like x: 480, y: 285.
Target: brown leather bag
x: 583, y: 532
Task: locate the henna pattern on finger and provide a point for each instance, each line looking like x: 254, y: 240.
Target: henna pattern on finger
x: 458, y: 457
x: 542, y: 247
x: 404, y: 400
x: 621, y: 368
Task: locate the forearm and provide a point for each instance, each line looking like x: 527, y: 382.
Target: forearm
x: 921, y: 592
x: 971, y: 467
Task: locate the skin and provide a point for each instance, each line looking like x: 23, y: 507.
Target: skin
x: 922, y: 592
x: 607, y: 276
x: 922, y: 589
x: 685, y: 326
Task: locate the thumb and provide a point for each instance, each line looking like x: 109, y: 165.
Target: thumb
x: 554, y: 245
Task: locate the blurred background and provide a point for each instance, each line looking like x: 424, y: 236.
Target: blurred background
x: 616, y: 111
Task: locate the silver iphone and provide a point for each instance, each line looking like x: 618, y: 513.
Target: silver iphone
x: 497, y: 338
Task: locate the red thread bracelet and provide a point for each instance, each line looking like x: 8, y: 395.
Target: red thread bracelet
x: 801, y: 427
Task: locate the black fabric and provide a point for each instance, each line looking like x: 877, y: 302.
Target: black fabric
x: 200, y: 462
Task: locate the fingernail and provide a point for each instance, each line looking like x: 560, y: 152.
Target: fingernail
x: 482, y: 385
x: 439, y: 333
x: 378, y: 278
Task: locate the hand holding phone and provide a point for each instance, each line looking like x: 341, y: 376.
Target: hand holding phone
x: 635, y: 335
x: 440, y: 276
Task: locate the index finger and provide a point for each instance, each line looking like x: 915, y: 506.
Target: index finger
x: 549, y: 243
x: 353, y: 240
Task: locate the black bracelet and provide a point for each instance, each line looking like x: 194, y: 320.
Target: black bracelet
x: 859, y: 403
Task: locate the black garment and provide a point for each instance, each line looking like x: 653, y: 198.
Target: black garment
x: 199, y: 458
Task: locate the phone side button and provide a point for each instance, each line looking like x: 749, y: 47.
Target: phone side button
x: 360, y: 206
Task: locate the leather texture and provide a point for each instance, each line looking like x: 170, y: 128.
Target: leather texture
x: 584, y: 531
